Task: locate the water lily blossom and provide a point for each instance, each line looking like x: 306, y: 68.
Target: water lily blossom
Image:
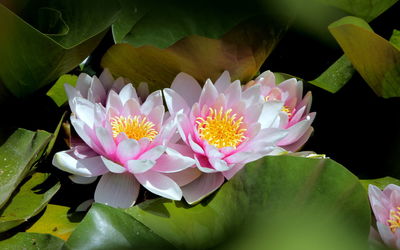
x: 222, y: 125
x: 295, y: 114
x: 386, y: 207
x: 127, y: 143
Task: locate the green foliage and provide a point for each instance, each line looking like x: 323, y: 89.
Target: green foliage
x: 31, y: 58
x: 28, y: 200
x: 162, y: 23
x: 17, y: 155
x: 380, y: 182
x: 375, y: 58
x: 109, y: 228
x: 57, y: 92
x: 32, y: 241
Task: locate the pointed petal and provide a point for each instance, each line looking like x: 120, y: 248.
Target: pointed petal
x: 297, y: 130
x: 84, y: 110
x: 187, y: 87
x: 128, y: 92
x: 117, y: 190
x: 96, y: 92
x: 143, y: 91
x: 113, y: 166
x: 82, y: 180
x: 106, y: 78
x: 208, y: 95
x: 300, y: 142
x: 269, y: 113
x: 88, y: 167
x: 202, y: 186
x: 223, y: 82
x: 128, y: 149
x: 139, y: 166
x: 172, y: 162
x: 175, y: 102
x: 153, y: 100
x: 106, y: 140
x: 153, y: 154
x: 160, y: 184
x: 83, y: 84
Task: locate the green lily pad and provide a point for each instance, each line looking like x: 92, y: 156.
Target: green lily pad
x: 57, y: 92
x: 56, y: 221
x: 162, y: 23
x: 105, y: 227
x: 380, y: 182
x: 198, y: 56
x: 269, y: 188
x: 28, y: 201
x: 32, y: 241
x: 17, y: 155
x: 376, y: 59
x: 336, y: 76
x: 395, y: 38
x: 31, y: 59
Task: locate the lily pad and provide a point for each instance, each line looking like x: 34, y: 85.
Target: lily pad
x: 17, y: 155
x: 28, y: 201
x: 380, y: 182
x: 198, y: 56
x: 57, y: 92
x: 376, y: 59
x: 105, y: 227
x: 56, y: 221
x: 31, y: 59
x: 268, y: 188
x: 32, y: 241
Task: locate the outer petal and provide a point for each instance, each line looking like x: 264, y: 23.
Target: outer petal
x: 202, y: 186
x: 386, y: 235
x: 175, y: 102
x: 96, y: 93
x: 83, y: 84
x: 230, y: 173
x: 172, y: 162
x: 223, y: 82
x: 160, y: 184
x: 117, y: 190
x: 113, y: 166
x: 379, y: 203
x: 106, y: 78
x: 187, y: 87
x: 184, y: 177
x: 88, y: 167
x: 153, y: 100
x: 128, y: 92
x: 298, y: 130
x: 300, y: 142
x: 139, y: 166
x: 84, y: 110
x: 82, y: 180
x: 208, y: 95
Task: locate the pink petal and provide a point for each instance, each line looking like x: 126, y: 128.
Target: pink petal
x: 128, y: 149
x: 88, y: 167
x: 156, y: 116
x: 300, y: 142
x: 187, y: 87
x: 96, y: 92
x: 219, y: 164
x: 184, y: 177
x: 202, y: 186
x: 117, y: 190
x: 269, y: 113
x: 128, y: 92
x: 113, y: 166
x: 160, y: 184
x: 143, y: 91
x: 223, y: 82
x: 84, y: 110
x: 208, y: 95
x: 175, y: 102
x: 153, y: 154
x: 82, y: 180
x: 106, y: 140
x: 203, y: 164
x: 297, y: 130
x: 252, y: 95
x: 230, y: 173
x: 83, y: 84
x: 114, y: 101
x: 118, y: 84
x: 106, y: 78
x: 153, y: 100
x: 131, y: 108
x: 195, y: 147
x: 386, y: 235
x: 172, y: 162
x: 139, y: 166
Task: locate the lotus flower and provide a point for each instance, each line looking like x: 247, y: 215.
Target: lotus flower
x: 386, y: 208
x: 223, y: 126
x: 295, y: 114
x: 124, y: 142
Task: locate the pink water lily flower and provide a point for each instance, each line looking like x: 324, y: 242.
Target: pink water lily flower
x: 295, y: 114
x: 386, y: 207
x: 223, y: 126
x: 127, y: 143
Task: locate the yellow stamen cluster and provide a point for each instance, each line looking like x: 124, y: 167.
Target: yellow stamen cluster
x: 394, y: 219
x: 136, y: 127
x: 285, y: 109
x: 221, y: 128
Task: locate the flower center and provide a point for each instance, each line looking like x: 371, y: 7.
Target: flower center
x: 286, y: 109
x: 394, y: 219
x: 221, y: 128
x: 135, y: 127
